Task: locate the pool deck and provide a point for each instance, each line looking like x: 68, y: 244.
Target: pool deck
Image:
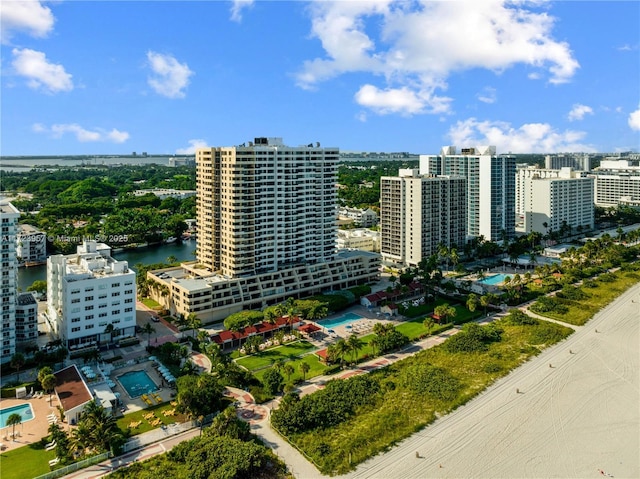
x: 33, y: 430
x: 137, y: 404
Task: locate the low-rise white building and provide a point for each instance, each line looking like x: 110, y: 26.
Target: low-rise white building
x: 361, y: 239
x: 31, y: 246
x: 361, y: 217
x: 87, y: 292
x: 164, y: 193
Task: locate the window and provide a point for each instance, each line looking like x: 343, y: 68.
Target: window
x: 88, y: 308
x: 115, y: 285
x: 102, y: 306
x: 102, y: 296
x: 88, y: 326
x: 75, y: 320
x: 88, y: 290
x: 128, y: 310
x: 128, y: 300
x: 115, y: 311
x: 75, y: 291
x: 129, y: 291
x: 115, y: 293
x: 88, y: 298
x: 88, y: 317
x: 75, y: 330
x: 102, y: 315
x: 76, y: 300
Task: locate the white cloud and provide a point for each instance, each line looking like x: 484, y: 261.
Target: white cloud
x: 634, y: 120
x: 528, y: 138
x: 579, y: 111
x: 237, y: 7
x: 171, y: 77
x: 25, y: 16
x: 487, y: 95
x: 82, y: 135
x: 416, y: 45
x: 193, y: 145
x: 41, y: 74
x: 400, y: 100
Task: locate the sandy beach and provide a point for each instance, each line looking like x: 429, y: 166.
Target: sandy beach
x: 577, y: 414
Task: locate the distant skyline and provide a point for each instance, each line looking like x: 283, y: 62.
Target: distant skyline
x: 113, y: 77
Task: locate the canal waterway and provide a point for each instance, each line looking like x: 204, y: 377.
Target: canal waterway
x: 148, y: 255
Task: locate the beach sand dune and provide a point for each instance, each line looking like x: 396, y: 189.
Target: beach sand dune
x: 579, y: 418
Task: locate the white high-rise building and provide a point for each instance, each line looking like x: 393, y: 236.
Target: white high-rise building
x: 616, y: 180
x: 490, y: 187
x: 555, y: 201
x: 576, y: 161
x: 87, y: 292
x: 8, y: 232
x: 267, y: 230
x: 31, y: 247
x: 420, y: 213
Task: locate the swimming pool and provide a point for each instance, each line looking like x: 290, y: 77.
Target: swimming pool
x: 493, y: 280
x: 25, y: 411
x: 340, y: 320
x: 137, y: 383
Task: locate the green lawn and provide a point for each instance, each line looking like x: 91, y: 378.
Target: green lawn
x: 317, y: 368
x: 582, y: 311
x: 150, y: 303
x: 25, y: 462
x: 265, y: 358
x: 123, y: 422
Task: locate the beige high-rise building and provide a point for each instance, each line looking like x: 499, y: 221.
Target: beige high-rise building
x: 418, y: 213
x: 265, y: 206
x: 266, y: 232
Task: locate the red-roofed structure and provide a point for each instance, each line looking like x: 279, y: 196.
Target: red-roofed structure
x: 309, y: 328
x: 234, y: 339
x: 73, y: 393
x: 374, y: 299
x: 322, y: 354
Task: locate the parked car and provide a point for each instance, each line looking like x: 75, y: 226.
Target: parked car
x: 155, y: 319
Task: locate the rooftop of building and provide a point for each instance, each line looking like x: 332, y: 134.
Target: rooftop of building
x: 71, y: 388
x: 8, y: 209
x: 29, y: 230
x: 24, y: 299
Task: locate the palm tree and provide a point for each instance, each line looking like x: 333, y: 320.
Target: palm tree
x: 17, y: 361
x: 375, y: 344
x: 472, y: 302
x: 428, y: 324
x: 45, y: 371
x: 304, y: 369
x: 355, y: 344
x: 484, y: 302
x: 13, y: 420
x: 203, y: 336
x: 193, y: 323
x: 444, y: 312
x: 48, y: 384
x: 148, y: 329
x: 341, y: 348
x: 454, y: 256
x: 278, y: 365
x: 288, y: 369
x: 171, y: 259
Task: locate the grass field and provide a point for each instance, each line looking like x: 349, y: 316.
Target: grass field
x: 581, y: 311
x: 264, y: 359
x: 25, y: 462
x: 145, y: 425
x: 317, y: 368
x: 150, y: 303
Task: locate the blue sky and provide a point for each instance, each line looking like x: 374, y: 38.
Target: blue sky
x: 164, y: 77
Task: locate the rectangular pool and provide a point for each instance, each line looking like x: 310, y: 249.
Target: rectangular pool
x: 495, y: 279
x: 340, y: 320
x: 137, y: 383
x: 25, y: 411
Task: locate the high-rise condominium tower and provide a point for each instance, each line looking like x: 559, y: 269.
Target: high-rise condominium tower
x: 490, y: 187
x: 418, y: 214
x: 8, y: 229
x: 265, y: 206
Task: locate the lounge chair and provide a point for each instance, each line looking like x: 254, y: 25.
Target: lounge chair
x: 50, y: 446
x: 53, y: 462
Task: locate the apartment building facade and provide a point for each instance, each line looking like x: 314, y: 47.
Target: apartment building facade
x: 87, y: 292
x: 9, y: 216
x: 490, y: 187
x: 551, y: 202
x: 616, y: 180
x: 31, y: 247
x: 267, y: 227
x: 576, y: 161
x: 419, y: 213
x: 26, y: 318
